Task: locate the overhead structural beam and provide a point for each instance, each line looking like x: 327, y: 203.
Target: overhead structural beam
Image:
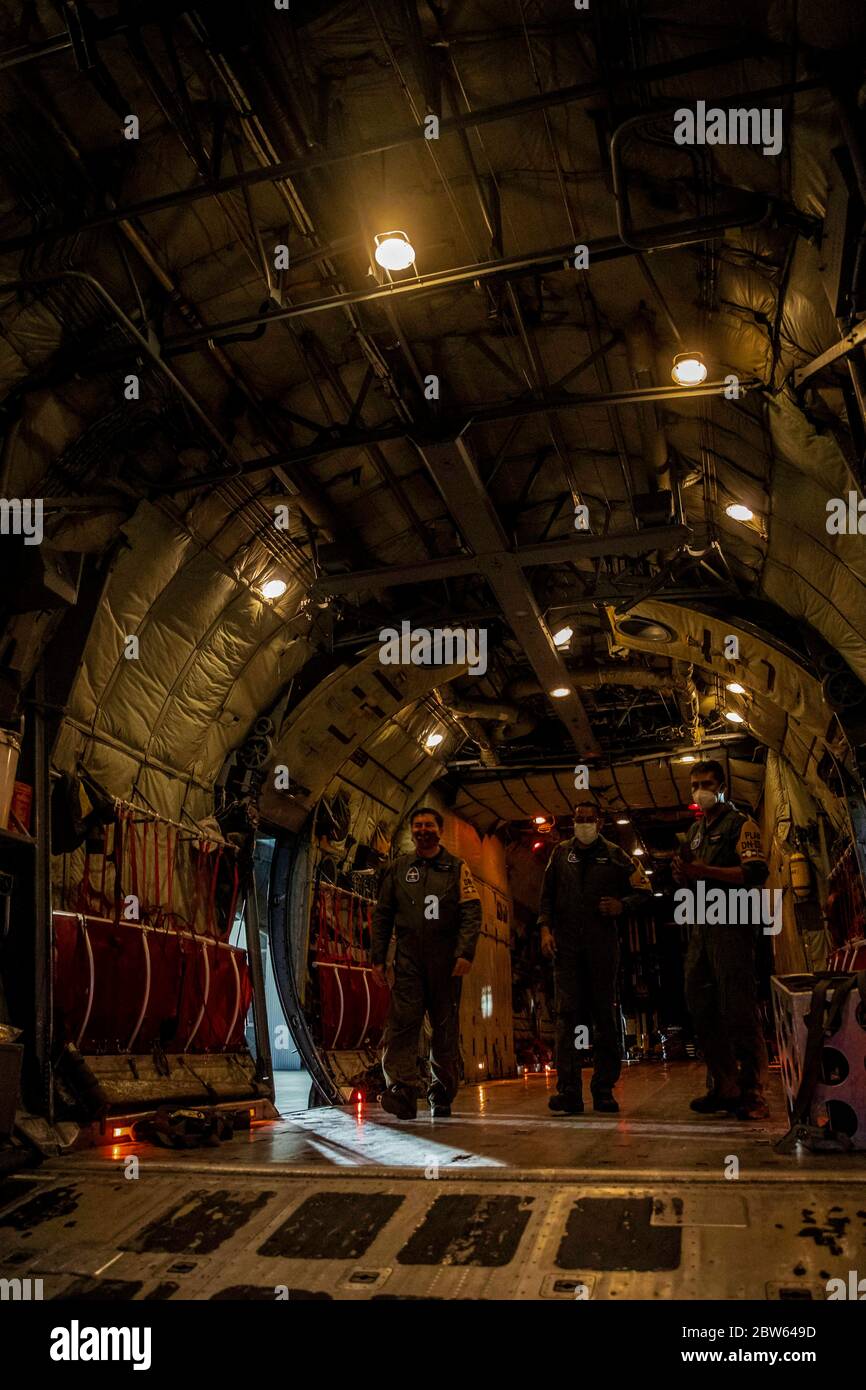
x: 554, y: 258
x: 318, y: 159
x: 853, y: 340
x: 453, y: 471
x: 547, y: 553
x: 337, y: 438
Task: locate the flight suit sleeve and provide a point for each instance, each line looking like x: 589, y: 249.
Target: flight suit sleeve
x: 750, y: 853
x: 638, y: 886
x: 383, y: 917
x: 548, y: 894
x: 470, y: 914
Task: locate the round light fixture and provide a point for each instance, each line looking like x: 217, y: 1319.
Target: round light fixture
x: 564, y: 635
x: 657, y: 895
x: 394, y: 251
x: 737, y: 512
x: 559, y: 692
x: 735, y: 718
x: 433, y: 740
x: 645, y: 630
x: 539, y: 820
x: 623, y: 820
x: 735, y: 688
x: 638, y: 851
x: 273, y: 588
x: 689, y: 369
x: 687, y: 758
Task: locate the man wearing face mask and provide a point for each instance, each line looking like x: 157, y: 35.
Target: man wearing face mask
x: 431, y: 899
x: 588, y: 883
x: 723, y: 849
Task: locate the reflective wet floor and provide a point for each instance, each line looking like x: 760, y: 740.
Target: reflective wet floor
x: 503, y: 1200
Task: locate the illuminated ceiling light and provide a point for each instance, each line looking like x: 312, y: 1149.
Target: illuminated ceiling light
x: 658, y: 895
x: 649, y: 871
x: 559, y: 692
x: 564, y: 635
x: 735, y: 718
x: 638, y: 851
x: 623, y: 820
x: 689, y: 369
x: 394, y: 251
x: 735, y: 688
x: 433, y: 740
x: 273, y: 588
x: 737, y: 512
x: 688, y: 757
x: 539, y: 820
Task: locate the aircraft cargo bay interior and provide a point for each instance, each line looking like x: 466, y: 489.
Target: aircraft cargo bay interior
x: 432, y: 653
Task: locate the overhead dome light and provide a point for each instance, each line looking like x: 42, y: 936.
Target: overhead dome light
x: 433, y: 740
x: 689, y: 757
x: 394, y: 251
x: 737, y: 512
x: 623, y: 820
x: 689, y: 369
x: 658, y: 895
x: 539, y: 820
x: 638, y: 851
x: 735, y: 688
x: 564, y: 635
x: 735, y: 718
x: 273, y: 588
x: 559, y: 692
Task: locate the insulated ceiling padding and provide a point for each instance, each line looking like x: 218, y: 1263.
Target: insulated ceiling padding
x: 657, y: 784
x: 211, y: 656
x: 350, y: 707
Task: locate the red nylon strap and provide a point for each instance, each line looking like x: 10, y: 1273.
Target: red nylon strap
x: 104, y: 868
x: 157, y: 901
x: 211, y: 898
x: 141, y: 905
x: 117, y: 855
x: 133, y: 856
x: 84, y: 886
x: 171, y: 850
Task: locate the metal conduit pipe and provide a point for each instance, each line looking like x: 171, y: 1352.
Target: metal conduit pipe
x: 755, y: 208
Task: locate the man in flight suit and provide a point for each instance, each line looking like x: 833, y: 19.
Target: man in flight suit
x: 431, y: 899
x: 588, y: 883
x: 724, y: 851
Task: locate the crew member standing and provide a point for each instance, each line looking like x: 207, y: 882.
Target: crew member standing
x: 431, y: 899
x: 588, y: 883
x: 724, y: 850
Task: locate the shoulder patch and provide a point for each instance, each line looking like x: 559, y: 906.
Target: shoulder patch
x: 468, y: 891
x: 749, y: 847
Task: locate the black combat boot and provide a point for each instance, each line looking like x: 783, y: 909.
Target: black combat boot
x: 712, y: 1103
x: 604, y: 1102
x: 566, y: 1103
x: 400, y: 1102
x: 440, y: 1108
x: 753, y: 1107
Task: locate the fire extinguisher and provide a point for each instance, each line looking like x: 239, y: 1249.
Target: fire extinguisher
x: 801, y: 874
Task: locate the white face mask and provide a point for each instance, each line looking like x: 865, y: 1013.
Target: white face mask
x: 585, y: 832
x: 705, y: 799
